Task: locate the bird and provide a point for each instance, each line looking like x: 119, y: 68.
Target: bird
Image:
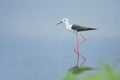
x: 75, y: 28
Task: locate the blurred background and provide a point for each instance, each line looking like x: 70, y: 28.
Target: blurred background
x: 33, y: 47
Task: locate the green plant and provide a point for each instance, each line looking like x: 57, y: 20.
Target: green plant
x: 107, y: 72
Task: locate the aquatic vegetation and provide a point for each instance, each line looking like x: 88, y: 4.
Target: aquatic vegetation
x: 107, y: 72
x: 78, y: 70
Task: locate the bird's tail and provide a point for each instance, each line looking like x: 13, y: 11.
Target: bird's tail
x: 92, y: 29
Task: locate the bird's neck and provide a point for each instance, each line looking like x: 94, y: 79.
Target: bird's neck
x: 67, y: 24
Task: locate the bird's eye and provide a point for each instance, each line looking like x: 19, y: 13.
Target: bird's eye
x: 64, y: 20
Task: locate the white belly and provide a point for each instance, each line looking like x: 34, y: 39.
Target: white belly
x: 70, y: 29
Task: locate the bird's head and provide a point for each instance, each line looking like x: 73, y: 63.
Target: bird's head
x: 64, y: 20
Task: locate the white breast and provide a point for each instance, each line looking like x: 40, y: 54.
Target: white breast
x: 68, y: 27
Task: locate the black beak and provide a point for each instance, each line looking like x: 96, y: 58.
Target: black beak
x: 59, y: 23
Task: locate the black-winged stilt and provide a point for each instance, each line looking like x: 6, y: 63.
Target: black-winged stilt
x: 77, y: 29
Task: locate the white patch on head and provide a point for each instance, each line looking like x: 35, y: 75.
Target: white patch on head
x: 65, y: 20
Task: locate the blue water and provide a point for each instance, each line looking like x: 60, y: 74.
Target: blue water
x: 41, y: 58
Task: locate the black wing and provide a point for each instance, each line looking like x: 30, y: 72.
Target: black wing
x: 81, y: 28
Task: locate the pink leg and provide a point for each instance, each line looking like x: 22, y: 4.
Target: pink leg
x: 84, y: 39
x: 76, y: 50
